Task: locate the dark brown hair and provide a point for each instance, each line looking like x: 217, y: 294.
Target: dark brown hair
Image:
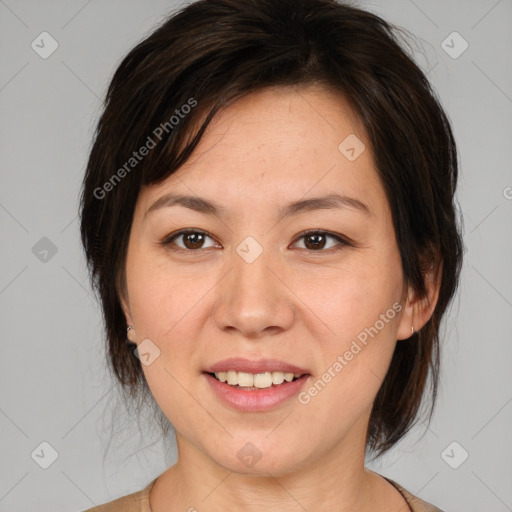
x: 213, y: 52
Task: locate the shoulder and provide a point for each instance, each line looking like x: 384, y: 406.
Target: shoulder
x: 136, y: 502
x: 416, y: 504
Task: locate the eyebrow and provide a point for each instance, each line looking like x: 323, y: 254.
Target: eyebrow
x: 208, y: 207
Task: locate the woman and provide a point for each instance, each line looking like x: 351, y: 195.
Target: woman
x: 268, y: 216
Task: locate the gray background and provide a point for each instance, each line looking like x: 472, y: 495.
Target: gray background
x: 53, y: 381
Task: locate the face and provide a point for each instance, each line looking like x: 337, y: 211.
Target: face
x: 285, y: 250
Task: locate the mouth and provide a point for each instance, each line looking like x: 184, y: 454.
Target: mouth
x: 247, y: 392
x: 252, y: 382
x: 250, y: 385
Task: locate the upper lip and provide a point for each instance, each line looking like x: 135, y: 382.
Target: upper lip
x: 240, y: 364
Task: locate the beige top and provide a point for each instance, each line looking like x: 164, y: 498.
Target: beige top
x: 139, y: 501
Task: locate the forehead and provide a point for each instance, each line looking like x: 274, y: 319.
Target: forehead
x: 278, y: 144
x: 278, y: 119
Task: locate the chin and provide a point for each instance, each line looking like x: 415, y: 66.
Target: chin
x: 258, y: 456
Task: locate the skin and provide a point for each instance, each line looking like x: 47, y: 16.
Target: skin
x: 299, y: 304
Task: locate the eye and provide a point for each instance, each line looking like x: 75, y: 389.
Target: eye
x: 191, y: 240
x: 319, y: 241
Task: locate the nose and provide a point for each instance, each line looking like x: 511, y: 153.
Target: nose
x: 253, y: 299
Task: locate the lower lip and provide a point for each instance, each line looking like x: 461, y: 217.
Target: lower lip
x: 256, y: 399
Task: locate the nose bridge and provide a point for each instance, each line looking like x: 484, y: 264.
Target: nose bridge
x: 251, y: 299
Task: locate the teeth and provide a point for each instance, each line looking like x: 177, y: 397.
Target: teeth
x: 245, y: 380
x: 262, y: 380
x: 277, y: 378
x: 258, y: 380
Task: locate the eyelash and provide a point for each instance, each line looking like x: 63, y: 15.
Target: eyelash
x: 342, y: 241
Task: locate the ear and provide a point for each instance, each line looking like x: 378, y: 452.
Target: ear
x: 418, y: 310
x: 125, y: 305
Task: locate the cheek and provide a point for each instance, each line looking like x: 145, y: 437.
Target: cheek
x: 350, y: 298
x: 359, y: 304
x: 163, y: 297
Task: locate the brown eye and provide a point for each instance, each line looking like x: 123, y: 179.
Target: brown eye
x: 193, y: 240
x: 320, y: 241
x: 190, y: 240
x: 315, y: 241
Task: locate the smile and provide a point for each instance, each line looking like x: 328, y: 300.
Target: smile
x: 252, y: 381
x: 251, y: 398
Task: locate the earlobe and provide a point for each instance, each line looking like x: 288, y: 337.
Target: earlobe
x: 130, y: 334
x: 130, y: 331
